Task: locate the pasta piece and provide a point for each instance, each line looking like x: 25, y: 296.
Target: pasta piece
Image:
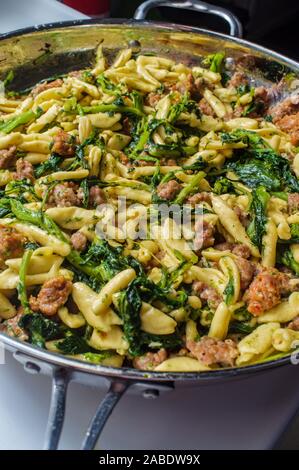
x: 232, y: 224
x: 191, y: 331
x: 256, y: 343
x: 155, y: 322
x: 72, y: 218
x: 269, y: 245
x: 232, y: 273
x: 285, y: 339
x: 119, y: 282
x: 7, y: 309
x: 40, y: 262
x: 45, y: 119
x: 284, y: 312
x: 181, y: 364
x: 84, y: 128
x: 71, y: 320
x: 7, y: 141
x: 215, y: 103
x: 114, y: 339
x: 212, y: 277
x: 220, y: 322
x: 84, y: 297
x: 104, y: 120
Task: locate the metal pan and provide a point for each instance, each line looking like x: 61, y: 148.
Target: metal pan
x: 45, y: 50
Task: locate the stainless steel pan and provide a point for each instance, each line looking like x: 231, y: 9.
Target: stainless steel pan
x: 42, y: 51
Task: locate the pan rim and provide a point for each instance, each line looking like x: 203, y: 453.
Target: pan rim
x: 130, y: 373
x: 163, y: 26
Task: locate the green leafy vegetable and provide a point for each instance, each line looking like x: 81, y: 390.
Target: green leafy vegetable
x: 215, y: 61
x: 191, y: 187
x: 112, y: 108
x: 287, y: 258
x: 50, y: 165
x: 258, y: 209
x: 40, y: 329
x: 229, y: 291
x: 73, y: 344
x: 8, y: 126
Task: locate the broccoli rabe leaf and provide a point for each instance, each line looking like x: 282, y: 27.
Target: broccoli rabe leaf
x: 40, y: 329
x: 142, y: 289
x: 50, y: 165
x: 73, y: 344
x: 214, y: 61
x: 287, y: 258
x: 258, y: 209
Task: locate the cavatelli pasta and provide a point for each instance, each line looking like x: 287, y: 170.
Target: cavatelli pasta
x: 149, y: 215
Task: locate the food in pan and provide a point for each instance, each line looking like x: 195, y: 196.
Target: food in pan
x: 150, y: 214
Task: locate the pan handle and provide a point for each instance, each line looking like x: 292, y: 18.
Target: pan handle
x: 61, y: 377
x: 60, y: 381
x: 104, y: 410
x: 195, y: 5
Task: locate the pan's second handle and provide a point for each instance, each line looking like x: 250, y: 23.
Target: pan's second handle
x: 60, y: 380
x: 195, y: 5
x: 104, y: 410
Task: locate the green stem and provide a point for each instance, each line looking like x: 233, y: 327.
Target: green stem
x: 11, y: 124
x: 194, y: 184
x: 112, y: 108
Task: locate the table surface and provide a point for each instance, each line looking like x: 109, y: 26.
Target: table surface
x: 16, y: 14
x: 248, y: 414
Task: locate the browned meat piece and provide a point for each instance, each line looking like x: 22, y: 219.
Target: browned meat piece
x: 294, y: 324
x: 79, y: 241
x: 53, y: 294
x: 150, y: 360
x: 246, y: 269
x: 293, y: 203
x: 224, y: 246
x: 7, y: 157
x: 127, y: 126
x: 153, y: 98
x: 124, y: 159
x: 206, y: 108
x: 24, y: 171
x: 11, y: 244
x: 242, y: 215
x: 76, y: 74
x: 207, y: 293
x: 211, y: 351
x: 11, y: 328
x: 46, y: 86
x: 290, y: 125
x: 238, y: 78
x: 265, y: 290
x: 96, y: 196
x: 286, y: 107
x: 64, y: 144
x: 239, y: 249
x: 169, y: 190
x: 189, y: 85
x: 142, y: 163
x: 198, y: 198
x: 204, y: 234
x: 166, y: 162
x: 65, y: 194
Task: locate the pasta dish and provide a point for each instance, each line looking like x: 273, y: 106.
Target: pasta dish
x: 149, y: 213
